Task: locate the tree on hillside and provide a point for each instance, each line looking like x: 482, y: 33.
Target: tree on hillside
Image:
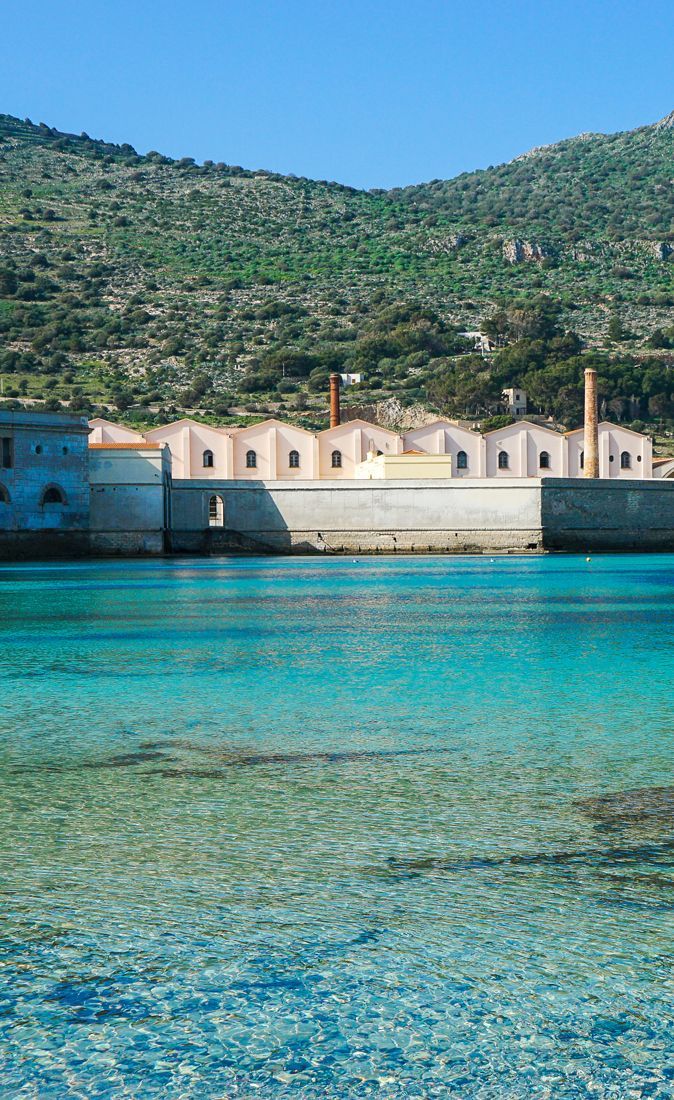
x: 534, y: 318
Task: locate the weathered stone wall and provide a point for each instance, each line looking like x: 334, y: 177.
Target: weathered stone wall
x: 48, y: 450
x: 129, y: 499
x: 36, y: 545
x: 465, y: 516
x: 607, y: 515
x: 351, y: 517
x: 126, y: 543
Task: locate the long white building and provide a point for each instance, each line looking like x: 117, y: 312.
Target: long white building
x: 275, y: 451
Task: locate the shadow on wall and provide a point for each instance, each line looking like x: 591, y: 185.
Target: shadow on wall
x: 221, y: 521
x: 607, y: 515
x: 353, y: 516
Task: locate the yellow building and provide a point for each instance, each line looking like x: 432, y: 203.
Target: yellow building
x: 409, y: 465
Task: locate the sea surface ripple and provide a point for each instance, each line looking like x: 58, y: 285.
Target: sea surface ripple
x: 323, y: 828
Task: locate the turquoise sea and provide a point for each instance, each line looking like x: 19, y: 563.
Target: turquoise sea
x: 323, y: 828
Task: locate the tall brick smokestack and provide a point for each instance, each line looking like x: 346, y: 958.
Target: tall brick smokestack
x: 591, y: 439
x: 335, y: 415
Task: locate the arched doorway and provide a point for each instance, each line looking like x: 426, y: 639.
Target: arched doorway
x: 216, y: 511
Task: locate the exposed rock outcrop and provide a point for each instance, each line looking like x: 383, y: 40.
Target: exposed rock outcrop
x: 448, y: 242
x: 666, y: 123
x: 517, y: 252
x: 660, y: 249
x: 391, y: 414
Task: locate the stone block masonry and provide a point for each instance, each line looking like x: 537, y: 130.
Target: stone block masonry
x: 44, y: 485
x: 607, y: 515
x: 361, y: 517
x: 515, y: 515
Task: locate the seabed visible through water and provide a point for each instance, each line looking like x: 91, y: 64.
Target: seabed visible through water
x: 319, y: 828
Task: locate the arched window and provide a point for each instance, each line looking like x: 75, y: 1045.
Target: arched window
x: 216, y: 512
x: 294, y: 460
x: 625, y: 461
x: 4, y: 495
x: 544, y: 460
x: 251, y: 460
x: 208, y: 459
x: 53, y: 495
x: 336, y: 460
x: 582, y: 460
x: 462, y: 461
x: 503, y: 460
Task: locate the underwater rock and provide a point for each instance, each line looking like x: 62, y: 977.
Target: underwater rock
x: 640, y: 806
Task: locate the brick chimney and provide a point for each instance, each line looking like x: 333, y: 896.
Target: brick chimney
x: 335, y: 415
x: 591, y: 438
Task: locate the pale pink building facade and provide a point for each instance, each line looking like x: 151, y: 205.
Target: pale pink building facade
x: 274, y: 451
x: 622, y: 452
x: 197, y: 450
x: 104, y: 431
x: 442, y: 437
x: 342, y: 449
x: 525, y: 450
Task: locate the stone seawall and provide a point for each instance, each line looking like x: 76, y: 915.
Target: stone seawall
x: 359, y: 516
x: 467, y: 516
x: 127, y: 543
x: 579, y: 515
x: 516, y: 515
x: 43, y: 545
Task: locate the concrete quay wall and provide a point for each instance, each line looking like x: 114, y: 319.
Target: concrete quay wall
x: 515, y: 514
x: 359, y: 516
x: 127, y: 520
x: 43, y: 545
x: 599, y: 514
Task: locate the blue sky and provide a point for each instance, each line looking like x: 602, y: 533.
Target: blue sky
x: 375, y: 93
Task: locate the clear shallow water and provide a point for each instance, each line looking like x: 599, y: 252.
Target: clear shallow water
x: 317, y: 828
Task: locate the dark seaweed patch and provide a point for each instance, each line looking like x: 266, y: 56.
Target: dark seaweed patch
x: 230, y: 758
x: 662, y: 854
x: 216, y: 761
x: 641, y: 806
x: 127, y: 759
x: 120, y: 760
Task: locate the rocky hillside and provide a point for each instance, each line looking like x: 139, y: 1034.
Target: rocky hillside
x: 150, y: 284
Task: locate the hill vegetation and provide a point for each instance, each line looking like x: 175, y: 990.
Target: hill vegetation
x: 150, y: 286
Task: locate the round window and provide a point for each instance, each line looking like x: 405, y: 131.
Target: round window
x: 38, y: 448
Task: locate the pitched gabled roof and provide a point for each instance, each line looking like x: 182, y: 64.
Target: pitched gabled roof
x: 608, y: 424
x: 524, y: 424
x: 141, y: 445
x: 186, y: 420
x: 101, y: 422
x: 442, y: 420
x: 358, y: 422
x: 96, y: 420
x: 272, y: 422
